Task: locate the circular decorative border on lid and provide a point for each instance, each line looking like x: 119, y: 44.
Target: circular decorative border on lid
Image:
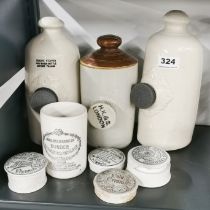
x: 106, y: 157
x: 149, y: 155
x: 25, y: 163
x: 115, y: 181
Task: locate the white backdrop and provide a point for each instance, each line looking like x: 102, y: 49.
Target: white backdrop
x: 134, y: 21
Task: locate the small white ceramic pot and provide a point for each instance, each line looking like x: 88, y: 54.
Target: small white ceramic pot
x: 26, y: 172
x: 64, y: 138
x: 150, y: 165
x: 102, y: 159
x: 115, y: 186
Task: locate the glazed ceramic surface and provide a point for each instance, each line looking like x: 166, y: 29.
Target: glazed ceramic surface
x: 102, y: 159
x: 150, y: 165
x: 115, y: 186
x: 52, y: 71
x: 173, y: 67
x: 107, y: 76
x: 64, y: 138
x: 26, y: 172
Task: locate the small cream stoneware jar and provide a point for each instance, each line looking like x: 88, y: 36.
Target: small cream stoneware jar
x: 107, y: 76
x: 102, y: 159
x: 150, y: 165
x: 168, y: 94
x: 115, y: 186
x: 26, y: 172
x: 52, y: 71
x: 64, y: 138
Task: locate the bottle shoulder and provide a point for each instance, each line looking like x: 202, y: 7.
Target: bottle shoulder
x: 169, y: 40
x: 43, y: 43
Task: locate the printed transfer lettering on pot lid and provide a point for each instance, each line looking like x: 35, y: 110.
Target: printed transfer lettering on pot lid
x: 25, y: 163
x: 106, y: 157
x: 150, y: 157
x: 115, y: 181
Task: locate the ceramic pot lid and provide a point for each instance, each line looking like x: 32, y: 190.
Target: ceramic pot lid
x: 115, y: 186
x: 102, y: 159
x: 148, y: 157
x: 26, y: 163
x: 109, y: 55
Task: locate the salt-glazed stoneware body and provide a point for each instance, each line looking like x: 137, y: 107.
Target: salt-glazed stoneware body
x: 107, y: 76
x: 173, y: 67
x: 52, y: 71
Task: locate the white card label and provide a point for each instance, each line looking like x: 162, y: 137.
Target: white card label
x: 168, y: 62
x: 101, y: 116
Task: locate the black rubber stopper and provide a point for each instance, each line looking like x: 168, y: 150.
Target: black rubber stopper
x: 42, y: 97
x: 143, y: 95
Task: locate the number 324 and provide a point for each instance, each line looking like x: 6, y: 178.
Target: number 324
x: 167, y: 61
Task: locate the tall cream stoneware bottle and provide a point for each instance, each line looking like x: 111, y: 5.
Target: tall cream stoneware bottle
x: 107, y: 76
x: 170, y: 85
x: 52, y: 71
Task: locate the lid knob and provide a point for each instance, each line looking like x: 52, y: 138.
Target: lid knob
x: 176, y: 16
x: 109, y: 41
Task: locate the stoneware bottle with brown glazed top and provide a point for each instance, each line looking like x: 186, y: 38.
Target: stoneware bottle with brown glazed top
x: 107, y: 76
x: 52, y: 71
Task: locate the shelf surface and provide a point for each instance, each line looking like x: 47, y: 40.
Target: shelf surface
x: 188, y: 189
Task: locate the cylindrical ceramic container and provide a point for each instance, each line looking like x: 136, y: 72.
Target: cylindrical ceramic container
x: 64, y: 138
x: 115, y: 186
x: 168, y: 94
x: 26, y: 172
x: 52, y: 71
x: 107, y: 76
x: 150, y: 165
x: 102, y: 159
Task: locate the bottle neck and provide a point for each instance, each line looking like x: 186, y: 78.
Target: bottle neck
x: 52, y: 31
x: 175, y: 28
